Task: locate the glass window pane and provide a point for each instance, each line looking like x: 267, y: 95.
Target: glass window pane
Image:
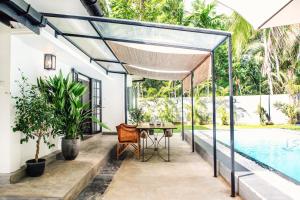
x: 112, y: 66
x: 94, y: 47
x: 159, y: 35
x: 73, y: 26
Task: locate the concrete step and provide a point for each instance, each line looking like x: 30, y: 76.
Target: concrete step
x: 64, y: 180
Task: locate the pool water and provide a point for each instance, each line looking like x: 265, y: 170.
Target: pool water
x: 278, y: 149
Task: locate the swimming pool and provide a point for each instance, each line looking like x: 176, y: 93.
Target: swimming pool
x: 277, y: 149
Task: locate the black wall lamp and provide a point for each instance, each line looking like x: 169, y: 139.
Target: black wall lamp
x: 49, y: 62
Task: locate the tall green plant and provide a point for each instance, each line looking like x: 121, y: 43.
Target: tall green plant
x: 65, y: 95
x: 34, y: 117
x: 224, y: 115
x: 263, y: 115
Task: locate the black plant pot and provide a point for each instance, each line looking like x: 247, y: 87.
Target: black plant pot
x: 35, y: 169
x: 70, y: 148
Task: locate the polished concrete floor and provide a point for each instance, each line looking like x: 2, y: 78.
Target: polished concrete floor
x: 186, y: 177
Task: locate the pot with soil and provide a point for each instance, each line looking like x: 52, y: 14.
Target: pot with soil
x: 35, y: 169
x: 70, y: 148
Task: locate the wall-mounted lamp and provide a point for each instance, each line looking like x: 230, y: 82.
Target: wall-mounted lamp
x: 49, y: 62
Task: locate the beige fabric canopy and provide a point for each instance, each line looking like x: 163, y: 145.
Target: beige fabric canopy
x: 162, y: 63
x: 266, y: 13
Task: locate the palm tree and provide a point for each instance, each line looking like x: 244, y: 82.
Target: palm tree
x: 276, y: 47
x: 204, y: 16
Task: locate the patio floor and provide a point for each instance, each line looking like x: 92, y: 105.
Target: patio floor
x: 187, y: 176
x: 64, y: 179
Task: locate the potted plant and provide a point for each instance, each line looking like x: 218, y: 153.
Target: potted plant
x: 65, y: 95
x: 34, y: 118
x: 136, y: 115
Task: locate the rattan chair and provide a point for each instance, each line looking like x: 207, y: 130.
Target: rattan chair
x: 128, y: 139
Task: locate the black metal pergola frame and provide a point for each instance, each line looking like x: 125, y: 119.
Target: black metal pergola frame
x: 227, y: 37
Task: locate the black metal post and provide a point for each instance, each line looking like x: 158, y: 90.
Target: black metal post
x: 192, y: 99
x: 213, y: 78
x: 182, y: 117
x: 125, y: 96
x: 269, y: 106
x: 231, y: 117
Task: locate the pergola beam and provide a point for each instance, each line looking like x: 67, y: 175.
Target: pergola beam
x: 231, y: 114
x: 182, y: 113
x: 125, y: 97
x: 58, y: 32
x: 138, y: 23
x: 109, y: 61
x: 192, y: 103
x: 155, y: 44
x: 101, y: 36
x: 213, y: 78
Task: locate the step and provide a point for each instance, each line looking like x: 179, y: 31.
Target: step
x: 64, y: 180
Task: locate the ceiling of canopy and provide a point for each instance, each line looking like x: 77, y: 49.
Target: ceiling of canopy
x: 146, y: 50
x: 266, y: 13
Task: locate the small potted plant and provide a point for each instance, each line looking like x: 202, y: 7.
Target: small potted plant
x: 65, y: 95
x: 34, y: 118
x: 136, y: 115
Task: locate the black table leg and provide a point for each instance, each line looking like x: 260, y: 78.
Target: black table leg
x: 168, y: 149
x: 143, y: 150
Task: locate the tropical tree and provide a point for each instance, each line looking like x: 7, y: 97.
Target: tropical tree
x: 204, y: 16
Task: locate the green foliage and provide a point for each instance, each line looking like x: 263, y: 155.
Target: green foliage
x: 167, y: 109
x: 263, y: 115
x: 289, y: 110
x: 201, y: 113
x: 136, y: 115
x: 104, y: 7
x: 204, y: 16
x: 165, y: 11
x: 124, y: 9
x: 65, y: 95
x: 261, y: 59
x: 34, y: 117
x: 224, y: 115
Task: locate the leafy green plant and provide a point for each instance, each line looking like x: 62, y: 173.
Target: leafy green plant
x: 201, y: 112
x: 203, y: 118
x: 263, y: 115
x: 289, y: 110
x: 224, y: 115
x: 65, y: 95
x: 167, y: 110
x: 136, y: 115
x: 34, y: 116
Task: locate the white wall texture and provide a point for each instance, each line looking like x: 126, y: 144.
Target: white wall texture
x: 245, y: 108
x: 25, y: 51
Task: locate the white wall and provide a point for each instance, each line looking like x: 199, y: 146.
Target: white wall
x: 113, y: 101
x: 25, y: 51
x: 245, y: 107
x: 7, y: 140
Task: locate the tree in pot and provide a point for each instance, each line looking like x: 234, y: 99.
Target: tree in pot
x: 65, y: 95
x: 136, y: 115
x: 34, y: 118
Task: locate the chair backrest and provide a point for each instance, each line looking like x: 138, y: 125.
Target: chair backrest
x: 127, y: 133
